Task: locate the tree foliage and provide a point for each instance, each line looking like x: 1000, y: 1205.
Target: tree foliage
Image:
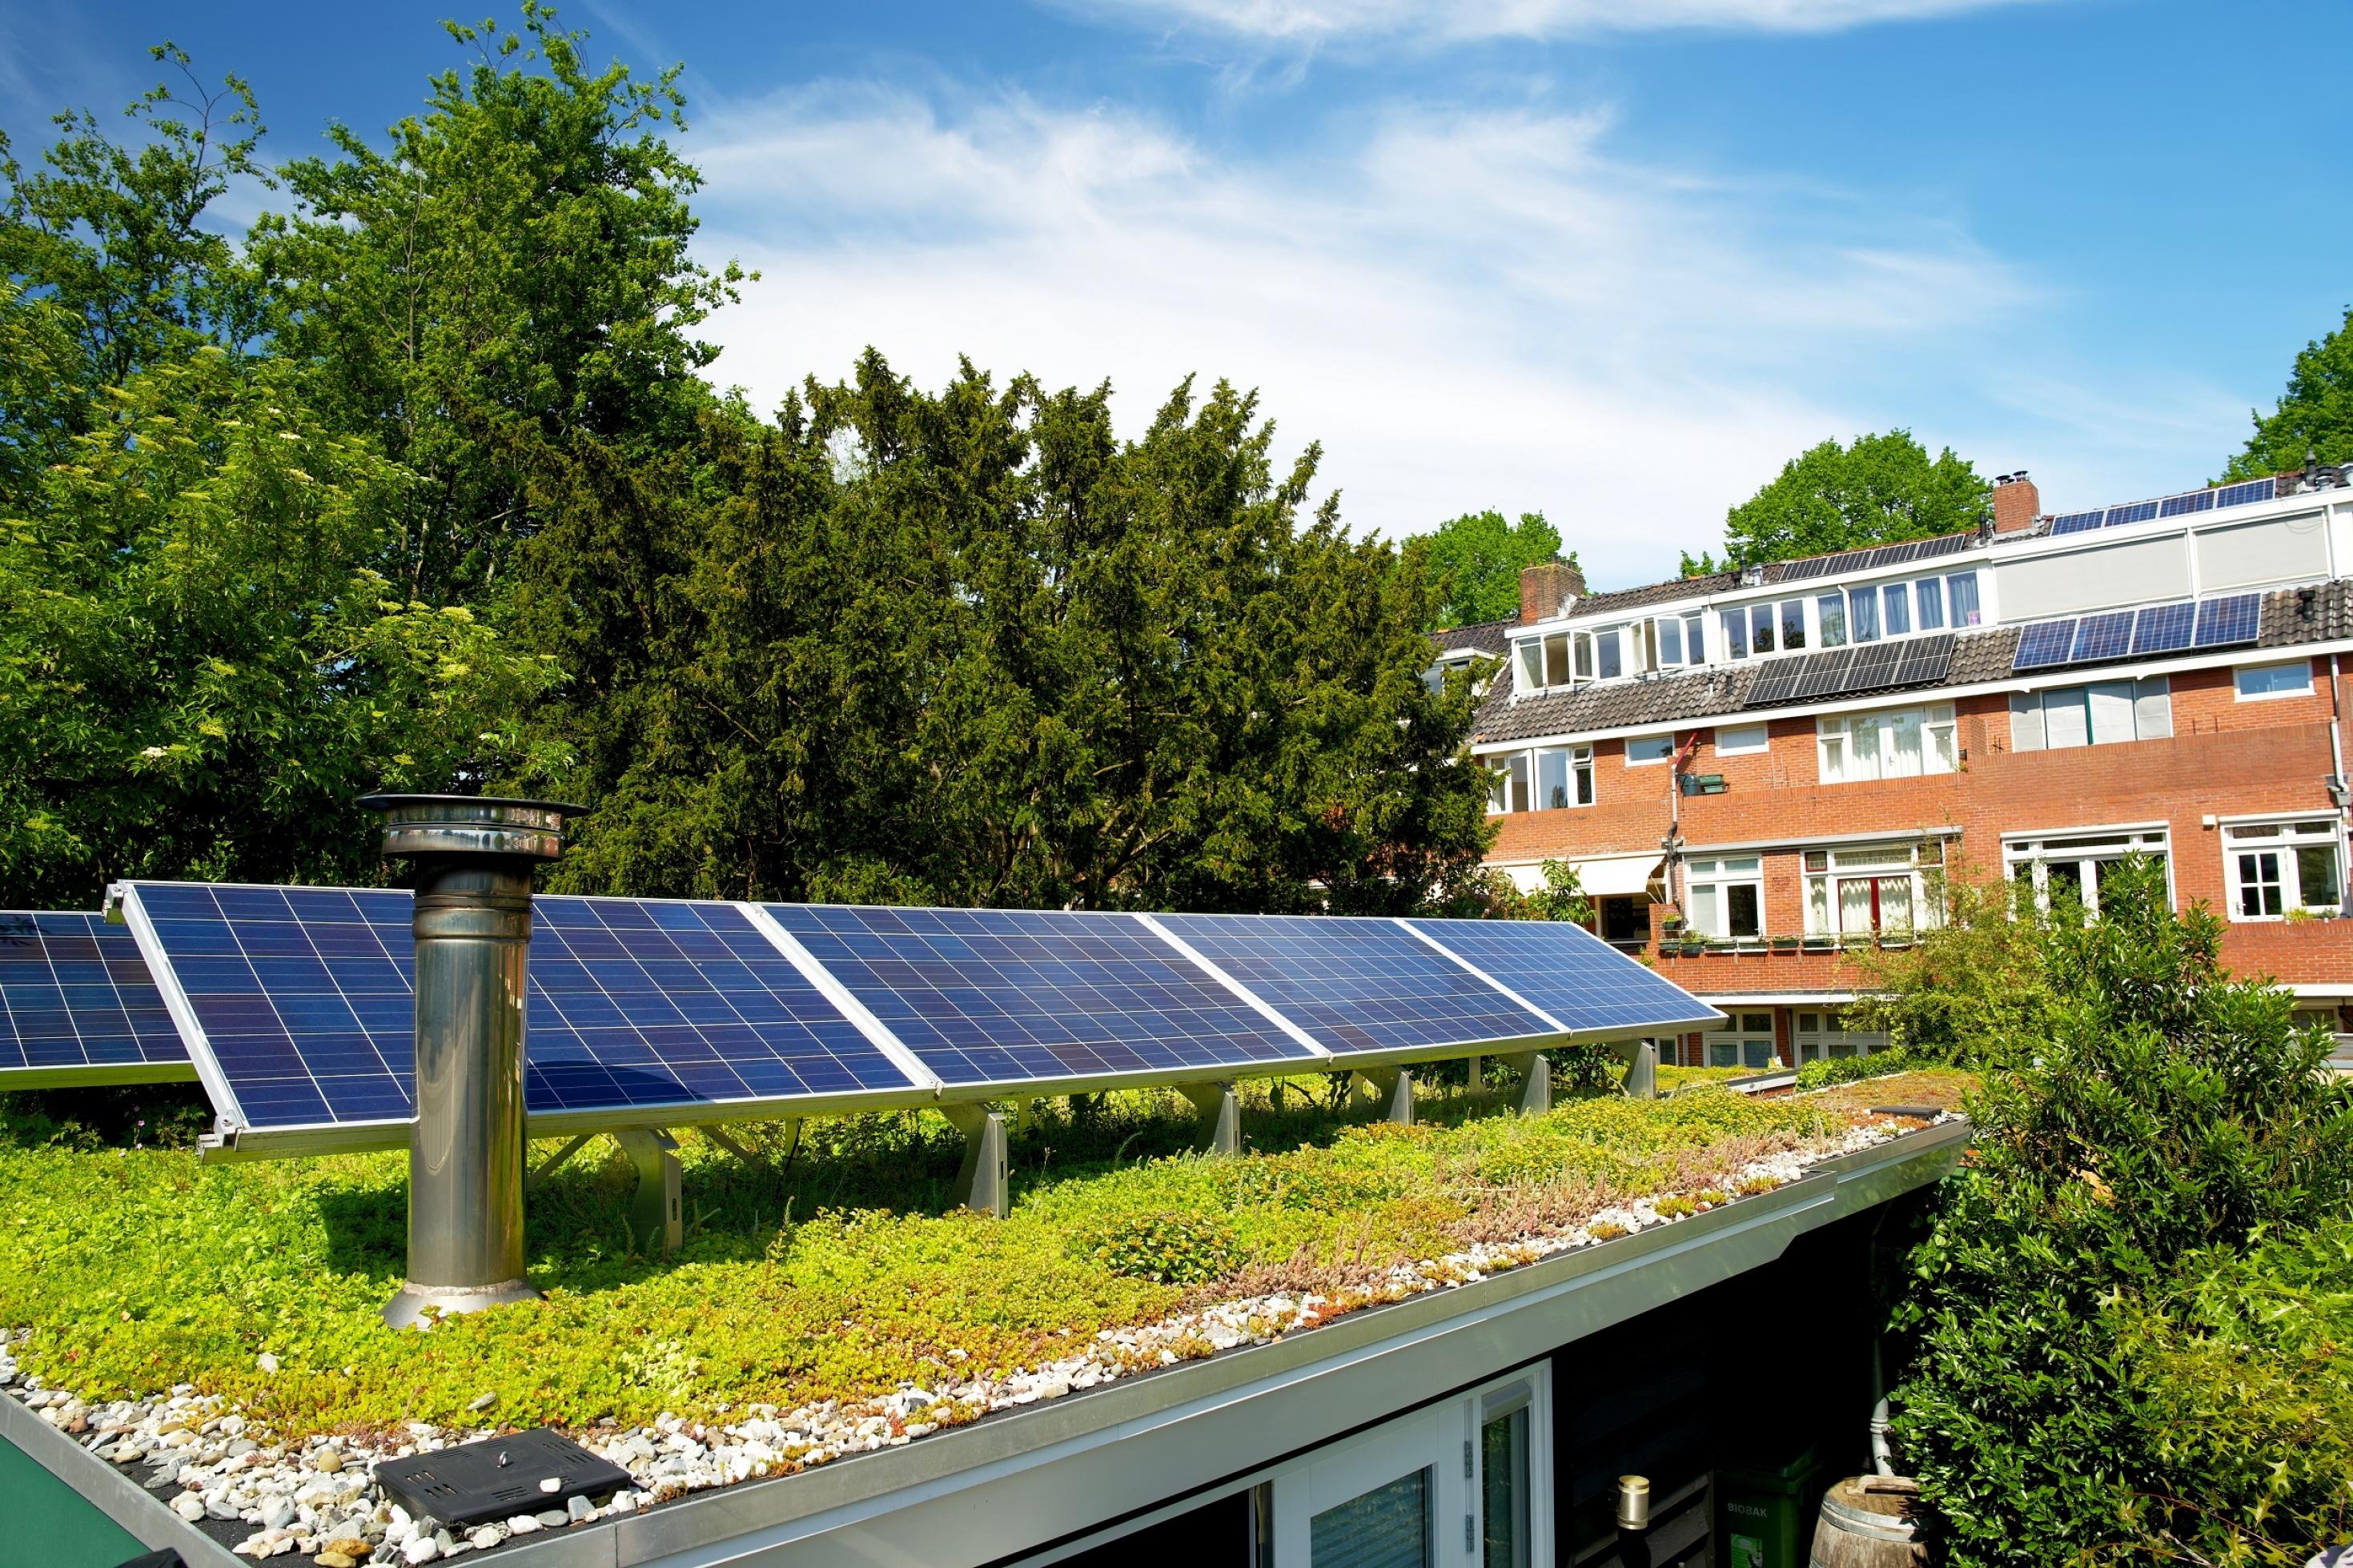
x: 2159, y: 1118
x: 2314, y: 414
x: 1881, y: 489
x: 1474, y: 564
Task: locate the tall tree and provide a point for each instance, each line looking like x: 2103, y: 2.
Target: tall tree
x: 1882, y: 490
x: 1475, y: 561
x: 2314, y: 414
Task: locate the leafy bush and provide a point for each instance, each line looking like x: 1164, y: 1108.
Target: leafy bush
x: 1853, y: 1070
x: 1165, y: 1248
x: 2169, y: 1116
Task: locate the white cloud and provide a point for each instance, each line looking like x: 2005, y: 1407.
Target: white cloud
x: 1316, y: 21
x: 1467, y: 308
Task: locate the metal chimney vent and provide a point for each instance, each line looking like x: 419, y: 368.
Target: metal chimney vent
x: 473, y: 859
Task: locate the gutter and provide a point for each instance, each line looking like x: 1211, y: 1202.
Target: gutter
x: 1026, y: 1479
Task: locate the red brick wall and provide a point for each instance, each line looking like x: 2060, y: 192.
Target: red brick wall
x: 2226, y: 758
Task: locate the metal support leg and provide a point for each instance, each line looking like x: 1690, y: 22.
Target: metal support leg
x: 1025, y: 1114
x: 791, y: 1123
x: 554, y: 1162
x: 1641, y: 1059
x: 1536, y: 1082
x: 1222, y: 1115
x: 980, y: 1183
x: 1393, y: 1088
x: 1475, y: 1075
x: 654, y: 1219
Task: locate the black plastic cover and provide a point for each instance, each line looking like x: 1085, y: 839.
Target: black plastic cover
x: 498, y: 1478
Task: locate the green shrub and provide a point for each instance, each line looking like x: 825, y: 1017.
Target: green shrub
x: 1829, y: 1070
x: 1166, y: 1248
x: 2169, y: 1116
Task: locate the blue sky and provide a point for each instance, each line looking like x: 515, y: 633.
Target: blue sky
x: 1615, y: 260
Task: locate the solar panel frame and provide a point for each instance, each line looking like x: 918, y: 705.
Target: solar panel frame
x: 2246, y: 491
x: 79, y: 1009
x: 2131, y: 512
x: 2045, y: 644
x: 1588, y: 987
x: 2164, y: 628
x: 1040, y: 1001
x: 2227, y: 619
x: 1368, y: 990
x: 2102, y: 636
x: 2187, y: 502
x: 2078, y: 522
x: 296, y: 1005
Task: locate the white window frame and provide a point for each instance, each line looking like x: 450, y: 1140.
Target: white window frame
x: 1825, y: 869
x: 2030, y: 855
x: 1578, y: 771
x: 1724, y: 747
x: 1441, y: 1440
x: 2301, y: 667
x: 1634, y: 761
x: 1717, y: 875
x: 2282, y: 837
x: 1815, y: 1036
x: 1746, y: 1038
x: 1840, y: 737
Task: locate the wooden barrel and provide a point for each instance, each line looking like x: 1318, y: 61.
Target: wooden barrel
x: 1866, y: 1523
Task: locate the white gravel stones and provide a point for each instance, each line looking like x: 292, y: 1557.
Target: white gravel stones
x: 423, y: 1549
x: 578, y: 1509
x: 188, y: 1506
x: 265, y: 1362
x: 487, y: 1536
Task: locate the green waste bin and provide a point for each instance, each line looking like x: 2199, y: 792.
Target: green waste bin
x: 1765, y: 1517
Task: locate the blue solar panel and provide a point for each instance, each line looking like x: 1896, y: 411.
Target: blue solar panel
x: 1571, y: 973
x: 2222, y: 622
x: 2045, y: 644
x: 1358, y: 986
x: 2139, y: 512
x: 2077, y: 522
x: 2106, y: 635
x: 77, y: 1005
x: 2193, y: 500
x: 2244, y: 491
x: 2164, y: 628
x: 306, y: 999
x: 1013, y: 996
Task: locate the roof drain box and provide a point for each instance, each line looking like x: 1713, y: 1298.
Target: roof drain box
x: 499, y: 1477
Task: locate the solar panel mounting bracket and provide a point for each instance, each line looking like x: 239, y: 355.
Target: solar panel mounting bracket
x: 980, y: 1183
x: 655, y: 1223
x: 1536, y: 1081
x: 1392, y: 1088
x: 1220, y: 1109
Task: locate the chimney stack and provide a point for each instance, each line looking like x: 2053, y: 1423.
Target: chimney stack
x: 473, y: 859
x: 1545, y: 586
x: 2016, y: 502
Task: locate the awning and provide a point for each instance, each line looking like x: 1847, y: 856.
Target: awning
x: 1617, y: 875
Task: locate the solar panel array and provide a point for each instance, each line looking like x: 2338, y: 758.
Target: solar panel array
x: 1868, y: 667
x: 297, y: 1004
x: 2153, y: 629
x: 1875, y: 557
x: 2188, y: 502
x: 78, y: 1005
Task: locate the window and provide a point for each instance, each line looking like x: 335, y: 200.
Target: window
x: 1645, y: 749
x: 1833, y: 609
x: 2094, y: 715
x: 1564, y: 776
x: 1464, y: 1481
x: 2255, y: 681
x: 1862, y: 614
x: 1760, y: 627
x: 2280, y: 869
x: 1929, y: 591
x: 1727, y: 897
x: 1884, y: 890
x: 1607, y: 662
x: 1819, y: 1034
x: 1961, y: 598
x: 1735, y: 633
x: 1739, y: 740
x: 1893, y: 743
x: 1897, y: 603
x: 1742, y: 1040
x: 1508, y: 784
x: 1793, y: 624
x: 2077, y: 863
x: 1561, y: 659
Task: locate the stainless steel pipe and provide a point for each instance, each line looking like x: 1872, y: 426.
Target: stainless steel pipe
x: 473, y: 859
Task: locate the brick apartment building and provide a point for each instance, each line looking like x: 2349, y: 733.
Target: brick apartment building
x: 1756, y: 769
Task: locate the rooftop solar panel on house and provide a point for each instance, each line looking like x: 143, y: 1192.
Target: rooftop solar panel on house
x: 1924, y: 659
x: 1873, y: 666
x: 2045, y: 644
x: 1582, y: 983
x: 2136, y: 511
x: 2077, y: 522
x: 78, y: 1007
x: 2244, y: 491
x: 2189, y: 502
x: 1028, y: 996
x: 301, y: 1003
x: 1775, y: 682
x: 1361, y: 988
x: 2224, y: 621
x: 1945, y: 544
x: 1810, y: 566
x: 1824, y: 675
x: 2107, y: 635
x: 1894, y: 555
x: 2163, y: 628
